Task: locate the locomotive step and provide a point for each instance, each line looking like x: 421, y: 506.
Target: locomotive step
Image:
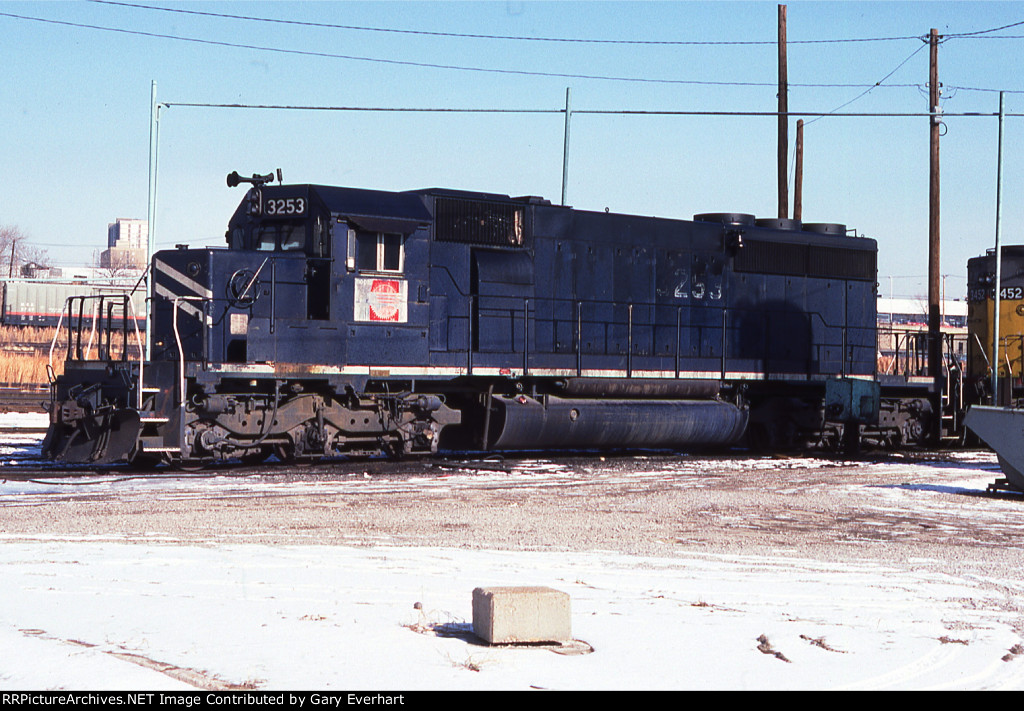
x: 157, y: 445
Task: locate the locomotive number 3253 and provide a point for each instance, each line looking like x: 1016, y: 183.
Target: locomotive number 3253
x: 284, y: 207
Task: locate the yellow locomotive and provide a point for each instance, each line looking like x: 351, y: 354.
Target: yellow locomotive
x: 981, y: 293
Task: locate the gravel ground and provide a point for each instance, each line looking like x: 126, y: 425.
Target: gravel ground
x: 886, y: 507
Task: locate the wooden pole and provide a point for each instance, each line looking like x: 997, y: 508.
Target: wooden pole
x: 798, y: 173
x: 934, y: 275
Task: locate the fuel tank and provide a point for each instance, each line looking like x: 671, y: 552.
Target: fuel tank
x: 522, y: 422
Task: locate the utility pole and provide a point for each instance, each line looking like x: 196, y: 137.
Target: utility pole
x: 154, y: 147
x: 783, y: 118
x: 997, y: 296
x: 798, y: 173
x: 934, y: 277
x: 565, y: 144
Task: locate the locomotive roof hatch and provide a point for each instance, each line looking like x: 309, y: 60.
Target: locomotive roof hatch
x: 492, y: 197
x: 357, y: 203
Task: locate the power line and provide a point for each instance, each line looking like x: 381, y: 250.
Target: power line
x: 517, y: 72
x: 974, y: 88
x: 577, y: 112
x: 397, y: 109
x: 423, y: 65
x: 962, y: 35
x: 877, y: 84
x: 459, y: 35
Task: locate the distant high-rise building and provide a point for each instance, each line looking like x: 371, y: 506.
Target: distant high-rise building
x: 127, y: 244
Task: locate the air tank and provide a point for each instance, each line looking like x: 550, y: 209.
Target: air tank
x: 522, y: 422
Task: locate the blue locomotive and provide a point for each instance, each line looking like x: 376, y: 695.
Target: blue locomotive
x: 343, y: 321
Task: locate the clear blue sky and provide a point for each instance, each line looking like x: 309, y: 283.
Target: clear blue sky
x: 75, y: 112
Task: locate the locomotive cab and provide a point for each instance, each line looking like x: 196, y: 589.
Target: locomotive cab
x: 306, y: 267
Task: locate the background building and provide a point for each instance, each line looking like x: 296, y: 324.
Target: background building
x: 903, y: 334
x: 127, y: 241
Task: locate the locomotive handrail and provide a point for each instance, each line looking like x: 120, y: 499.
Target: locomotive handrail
x: 981, y: 349
x: 822, y: 334
x: 142, y: 350
x: 99, y: 321
x: 1018, y: 340
x: 181, y: 349
x: 56, y: 335
x: 909, y: 351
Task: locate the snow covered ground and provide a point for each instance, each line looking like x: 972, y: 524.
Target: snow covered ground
x: 96, y: 613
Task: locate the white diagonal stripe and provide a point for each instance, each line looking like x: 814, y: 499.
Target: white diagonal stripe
x: 189, y: 308
x: 196, y: 288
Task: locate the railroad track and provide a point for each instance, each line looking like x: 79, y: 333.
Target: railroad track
x: 23, y: 399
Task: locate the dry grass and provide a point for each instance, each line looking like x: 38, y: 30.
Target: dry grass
x: 820, y: 642
x: 19, y: 370
x: 25, y: 335
x: 24, y: 353
x: 765, y: 647
x: 1015, y: 651
x: 470, y: 663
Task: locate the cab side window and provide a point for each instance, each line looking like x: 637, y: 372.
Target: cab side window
x: 379, y: 252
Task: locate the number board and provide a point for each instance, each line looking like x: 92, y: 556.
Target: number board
x: 284, y: 207
x: 1007, y: 293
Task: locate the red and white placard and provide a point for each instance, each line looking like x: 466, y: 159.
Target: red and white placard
x: 381, y: 300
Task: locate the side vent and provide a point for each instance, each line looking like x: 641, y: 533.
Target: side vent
x: 805, y: 260
x: 495, y: 224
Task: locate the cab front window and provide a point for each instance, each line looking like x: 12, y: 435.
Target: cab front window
x: 280, y: 236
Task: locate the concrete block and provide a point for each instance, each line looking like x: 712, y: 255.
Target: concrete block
x: 509, y: 615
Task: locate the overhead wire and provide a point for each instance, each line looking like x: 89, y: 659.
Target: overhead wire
x: 460, y: 35
x: 426, y: 65
x: 870, y: 89
x: 980, y: 34
x: 575, y: 112
x: 961, y: 35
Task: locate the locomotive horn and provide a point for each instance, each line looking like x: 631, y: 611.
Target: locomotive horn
x: 234, y: 179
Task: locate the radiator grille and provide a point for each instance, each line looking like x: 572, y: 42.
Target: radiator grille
x: 478, y: 222
x: 805, y: 260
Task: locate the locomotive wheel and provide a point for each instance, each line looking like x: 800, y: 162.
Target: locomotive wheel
x: 286, y: 453
x: 257, y: 455
x: 758, y: 437
x: 185, y: 465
